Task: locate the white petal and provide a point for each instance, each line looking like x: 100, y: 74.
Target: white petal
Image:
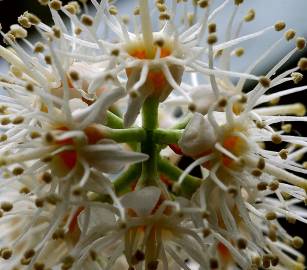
x: 142, y: 201
x: 99, y: 218
x: 134, y: 107
x: 198, y: 136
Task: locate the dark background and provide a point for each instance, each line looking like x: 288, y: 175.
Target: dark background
x: 11, y: 9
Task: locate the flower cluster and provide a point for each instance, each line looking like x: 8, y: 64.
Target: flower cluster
x: 91, y: 140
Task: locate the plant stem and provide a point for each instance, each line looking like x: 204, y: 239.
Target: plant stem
x: 183, y: 123
x: 149, y: 174
x: 122, y: 184
x: 189, y: 184
x: 126, y: 135
x: 167, y: 136
x: 113, y: 121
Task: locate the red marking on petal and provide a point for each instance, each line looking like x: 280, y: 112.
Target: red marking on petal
x: 167, y: 181
x: 74, y: 221
x: 223, y: 250
x: 176, y: 149
x: 69, y: 158
x: 93, y: 134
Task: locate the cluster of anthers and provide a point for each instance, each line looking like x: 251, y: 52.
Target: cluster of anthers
x: 91, y: 140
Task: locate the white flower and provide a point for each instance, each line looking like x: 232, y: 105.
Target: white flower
x: 154, y: 57
x: 241, y: 174
x: 148, y: 229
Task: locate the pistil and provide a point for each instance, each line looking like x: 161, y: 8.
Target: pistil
x: 146, y: 28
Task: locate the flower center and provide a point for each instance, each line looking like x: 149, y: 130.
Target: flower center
x: 236, y: 146
x: 69, y: 158
x: 138, y: 50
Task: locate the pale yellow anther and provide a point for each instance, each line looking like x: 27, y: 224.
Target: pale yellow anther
x: 33, y: 19
x: 3, y: 137
x: 39, y: 47
x: 286, y: 128
x: 74, y: 75
x: 302, y: 64
x: 17, y: 31
x: 6, y: 253
x: 29, y: 87
x: 39, y: 202
x: 211, y: 28
x: 136, y: 11
x: 276, y: 139
x: 24, y: 22
x: 239, y: 52
x: 53, y: 199
x: 262, y: 186
x: 212, y: 38
x: 39, y: 266
x: 270, y: 216
x: 24, y: 190
x: 238, y: 2
x: 203, y: 3
x: 46, y: 177
x: 16, y: 72
x: 87, y: 20
x: 222, y: 102
x: 18, y: 120
x: 161, y: 7
x: 48, y: 59
x: 6, y: 206
x: 274, y: 185
x: 70, y: 8
x: 265, y: 82
x: 300, y: 43
x: 17, y: 171
x: 192, y: 107
x: 5, y: 121
x: 164, y: 16
x: 78, y: 31
x: 242, y: 243
x: 56, y: 31
x: 290, y: 34
x: 250, y: 15
x: 56, y: 4
x: 279, y: 26
x: 49, y: 138
x: 256, y: 172
x: 297, y: 242
x: 297, y: 77
x: 283, y: 153
x: 113, y: 10
x: 261, y: 163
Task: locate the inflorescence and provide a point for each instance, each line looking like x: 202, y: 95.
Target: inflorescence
x: 97, y: 114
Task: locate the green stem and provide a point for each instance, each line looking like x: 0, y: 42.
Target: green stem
x: 122, y: 184
x: 113, y: 121
x: 126, y: 135
x: 189, y: 184
x: 167, y: 136
x: 148, y: 146
x: 183, y: 123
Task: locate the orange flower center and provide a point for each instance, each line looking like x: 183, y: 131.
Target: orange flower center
x: 70, y: 157
x: 155, y: 76
x: 235, y: 145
